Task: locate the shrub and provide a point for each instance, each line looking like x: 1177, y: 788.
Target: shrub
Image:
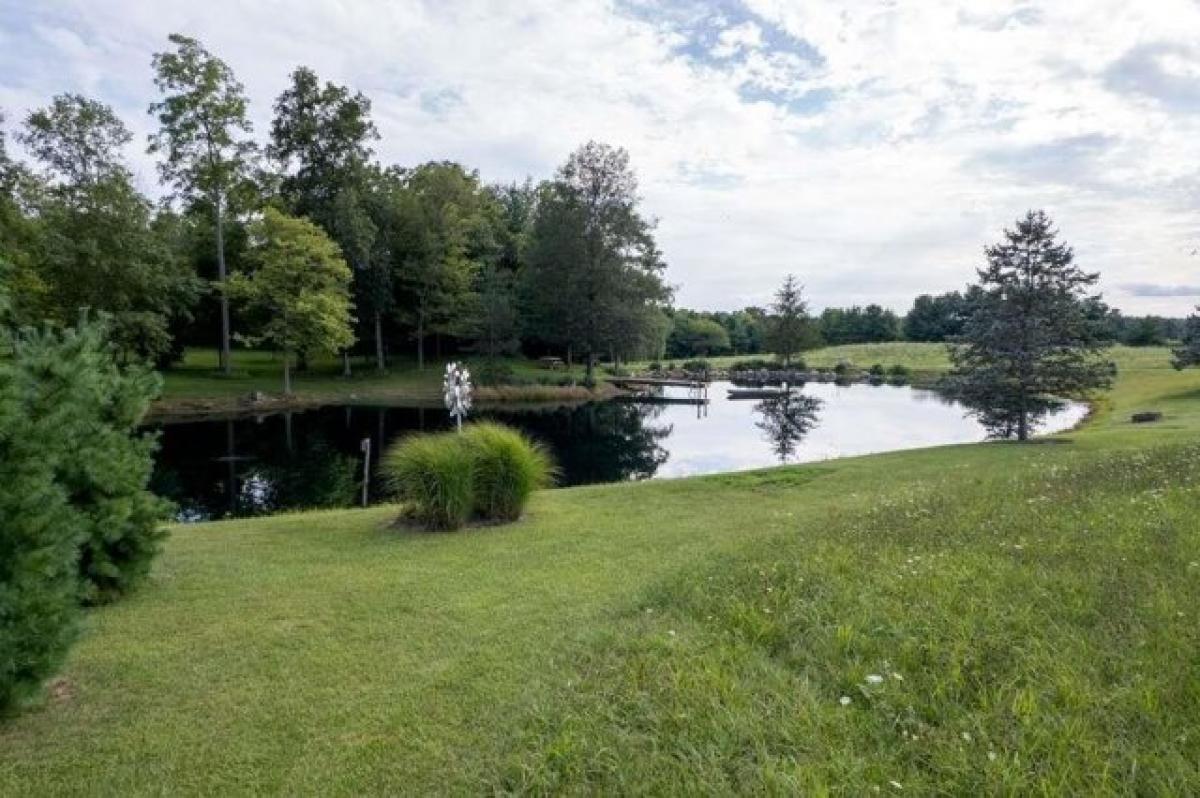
x: 898, y: 371
x: 655, y: 366
x: 432, y: 474
x: 494, y: 373
x: 75, y: 518
x: 876, y: 370
x: 616, y: 371
x: 843, y: 367
x: 753, y: 364
x: 39, y: 550
x: 506, y: 468
x: 698, y: 365
x: 74, y: 385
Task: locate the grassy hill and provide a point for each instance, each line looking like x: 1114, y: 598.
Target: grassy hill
x: 981, y: 619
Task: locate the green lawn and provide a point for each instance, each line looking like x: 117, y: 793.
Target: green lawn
x: 1037, y: 602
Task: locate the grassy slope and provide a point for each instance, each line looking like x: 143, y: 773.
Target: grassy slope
x: 326, y: 653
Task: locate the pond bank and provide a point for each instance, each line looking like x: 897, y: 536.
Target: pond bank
x: 171, y: 409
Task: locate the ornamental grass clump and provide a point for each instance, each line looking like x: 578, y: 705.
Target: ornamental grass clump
x: 432, y: 475
x: 506, y: 468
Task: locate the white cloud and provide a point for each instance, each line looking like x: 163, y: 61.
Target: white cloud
x: 873, y: 148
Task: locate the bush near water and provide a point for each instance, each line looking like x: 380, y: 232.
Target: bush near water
x: 488, y: 470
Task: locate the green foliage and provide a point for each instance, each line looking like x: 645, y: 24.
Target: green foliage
x: 506, y: 468
x: 39, y: 544
x: 693, y: 336
x: 876, y: 370
x: 936, y: 318
x: 1031, y: 337
x: 1188, y: 353
x: 593, y: 277
x: 488, y: 469
x: 790, y: 329
x: 695, y: 366
x: 76, y: 520
x: 300, y: 285
x: 434, y: 476
x: 206, y: 153
x: 103, y: 462
x: 855, y: 325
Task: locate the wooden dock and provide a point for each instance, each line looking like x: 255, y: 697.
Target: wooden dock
x: 656, y: 382
x: 650, y: 389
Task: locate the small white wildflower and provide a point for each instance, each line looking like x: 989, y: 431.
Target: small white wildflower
x: 898, y: 677
x: 966, y: 737
x: 874, y: 678
x: 671, y: 632
x: 844, y: 700
x: 991, y: 756
x: 896, y: 784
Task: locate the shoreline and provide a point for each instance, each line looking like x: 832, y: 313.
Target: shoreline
x: 182, y: 409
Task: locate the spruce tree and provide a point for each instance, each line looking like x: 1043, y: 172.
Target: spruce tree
x: 1030, y: 340
x: 790, y: 329
x: 1188, y: 353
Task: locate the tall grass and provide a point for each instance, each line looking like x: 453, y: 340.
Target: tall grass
x: 1034, y: 635
x: 506, y: 467
x: 433, y: 475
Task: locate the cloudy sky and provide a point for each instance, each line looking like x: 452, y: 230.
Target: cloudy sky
x: 870, y: 147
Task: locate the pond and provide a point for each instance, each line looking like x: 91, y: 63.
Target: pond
x: 252, y: 466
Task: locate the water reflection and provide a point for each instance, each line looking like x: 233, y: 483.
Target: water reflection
x: 312, y: 459
x: 786, y: 419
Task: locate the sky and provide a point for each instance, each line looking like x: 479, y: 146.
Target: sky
x: 873, y: 147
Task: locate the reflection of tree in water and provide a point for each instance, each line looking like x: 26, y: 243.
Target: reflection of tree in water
x: 313, y: 475
x: 786, y: 419
x: 1001, y: 416
x: 601, y: 442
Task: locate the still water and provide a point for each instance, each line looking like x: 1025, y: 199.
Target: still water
x: 214, y: 469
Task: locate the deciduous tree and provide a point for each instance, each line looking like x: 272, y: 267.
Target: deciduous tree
x: 299, y: 285
x: 593, y: 266
x: 203, y: 140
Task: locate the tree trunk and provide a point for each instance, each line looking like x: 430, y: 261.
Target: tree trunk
x: 420, y: 340
x: 287, y: 431
x: 287, y: 373
x: 570, y: 357
x: 226, y: 355
x: 231, y: 460
x: 380, y: 363
x: 1023, y: 426
x: 346, y: 372
x: 589, y: 377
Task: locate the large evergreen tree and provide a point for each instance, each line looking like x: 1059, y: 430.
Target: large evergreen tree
x: 204, y: 144
x: 593, y: 267
x: 1188, y: 352
x: 1030, y: 339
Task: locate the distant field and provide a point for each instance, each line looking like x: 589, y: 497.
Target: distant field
x: 932, y: 357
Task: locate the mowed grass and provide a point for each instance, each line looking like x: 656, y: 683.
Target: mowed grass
x: 694, y: 636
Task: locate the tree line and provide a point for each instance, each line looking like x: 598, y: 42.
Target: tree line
x: 933, y: 318
x: 306, y: 243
